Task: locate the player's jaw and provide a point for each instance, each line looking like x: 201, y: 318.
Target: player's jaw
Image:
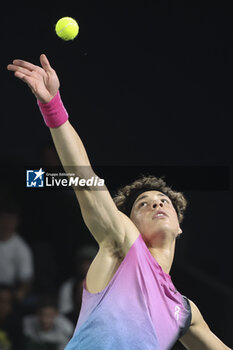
x: 159, y: 221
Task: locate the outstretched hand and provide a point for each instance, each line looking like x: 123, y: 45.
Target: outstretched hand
x: 43, y: 81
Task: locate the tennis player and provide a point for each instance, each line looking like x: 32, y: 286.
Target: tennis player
x: 129, y: 301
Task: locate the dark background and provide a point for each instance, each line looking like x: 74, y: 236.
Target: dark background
x: 149, y: 89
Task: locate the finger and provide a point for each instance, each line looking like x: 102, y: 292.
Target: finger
x: 15, y: 68
x: 24, y: 64
x: 25, y: 78
x: 12, y: 67
x: 20, y: 75
x: 45, y: 63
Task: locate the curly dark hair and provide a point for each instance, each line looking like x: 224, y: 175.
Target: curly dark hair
x: 126, y: 195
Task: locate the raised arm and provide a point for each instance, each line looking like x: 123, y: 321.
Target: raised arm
x: 100, y: 214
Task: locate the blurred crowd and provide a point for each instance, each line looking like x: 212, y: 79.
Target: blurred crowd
x: 31, y: 317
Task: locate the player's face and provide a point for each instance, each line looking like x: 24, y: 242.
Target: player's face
x: 153, y: 213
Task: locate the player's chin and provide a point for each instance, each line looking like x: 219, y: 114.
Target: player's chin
x: 161, y: 222
x: 163, y: 226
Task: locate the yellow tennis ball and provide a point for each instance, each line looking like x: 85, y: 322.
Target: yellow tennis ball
x: 67, y: 28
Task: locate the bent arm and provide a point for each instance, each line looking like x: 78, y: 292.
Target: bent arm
x: 99, y: 211
x: 199, y: 335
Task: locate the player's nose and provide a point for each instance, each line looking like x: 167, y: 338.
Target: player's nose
x: 157, y: 203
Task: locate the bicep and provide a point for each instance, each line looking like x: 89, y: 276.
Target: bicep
x: 199, y: 335
x: 102, y: 217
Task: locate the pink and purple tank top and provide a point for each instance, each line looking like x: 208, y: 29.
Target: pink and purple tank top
x: 140, y: 309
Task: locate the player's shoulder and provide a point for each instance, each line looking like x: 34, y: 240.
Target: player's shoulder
x: 196, y: 314
x: 193, y: 306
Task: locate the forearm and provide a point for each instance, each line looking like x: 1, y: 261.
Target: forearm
x: 205, y: 341
x: 71, y: 150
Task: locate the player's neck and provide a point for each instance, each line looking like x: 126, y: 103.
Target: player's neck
x: 163, y: 253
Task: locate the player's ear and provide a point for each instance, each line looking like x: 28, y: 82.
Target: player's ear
x: 179, y: 233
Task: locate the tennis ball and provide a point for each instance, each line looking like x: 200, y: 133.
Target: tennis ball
x: 67, y: 28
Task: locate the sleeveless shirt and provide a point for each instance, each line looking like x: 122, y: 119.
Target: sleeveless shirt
x: 140, y: 309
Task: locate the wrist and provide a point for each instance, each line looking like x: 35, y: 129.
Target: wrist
x: 53, y: 112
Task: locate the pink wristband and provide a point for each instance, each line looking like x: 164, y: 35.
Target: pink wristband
x: 53, y: 112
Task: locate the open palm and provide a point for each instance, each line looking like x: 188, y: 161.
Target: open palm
x: 43, y: 81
